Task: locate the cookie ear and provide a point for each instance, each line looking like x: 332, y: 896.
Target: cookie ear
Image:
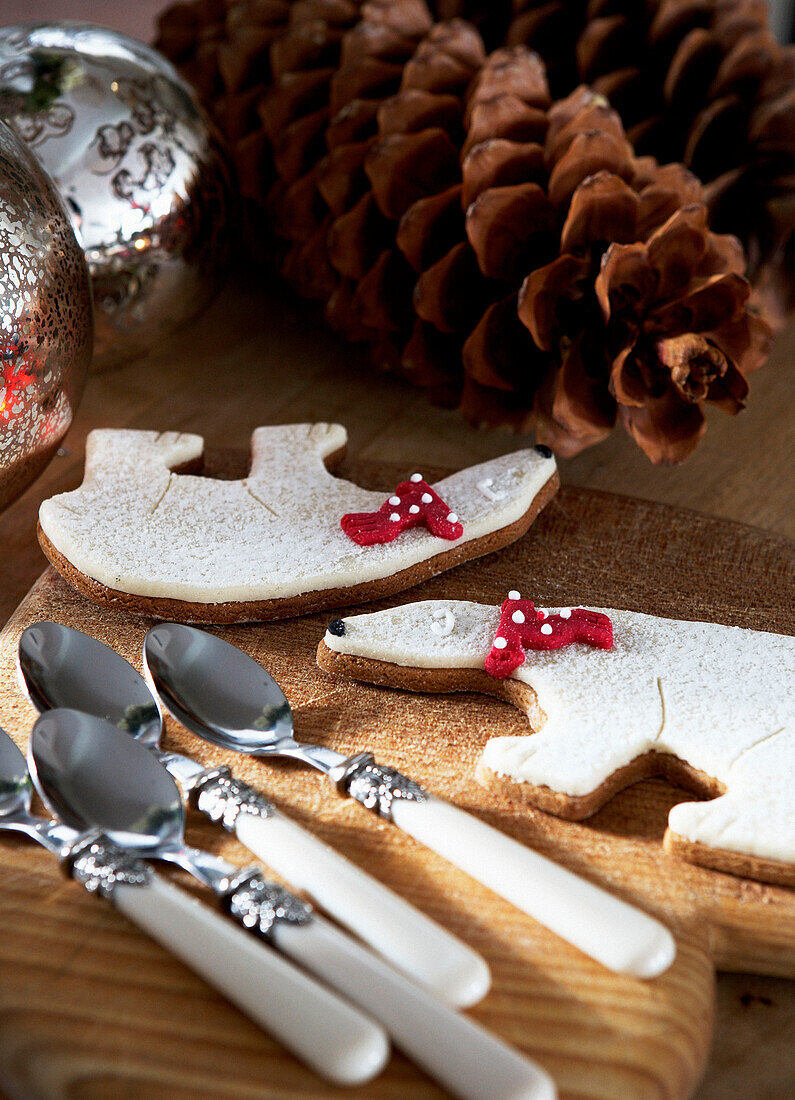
x: 122, y: 454
x: 292, y: 448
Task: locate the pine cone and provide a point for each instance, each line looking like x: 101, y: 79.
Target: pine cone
x: 491, y: 18
x: 222, y: 47
x: 633, y: 245
x: 550, y: 27
x: 701, y: 81
x: 756, y: 199
x: 189, y: 34
x: 467, y: 254
x: 295, y: 109
x: 495, y: 210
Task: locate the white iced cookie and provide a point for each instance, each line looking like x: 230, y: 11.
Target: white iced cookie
x: 708, y: 704
x: 269, y: 545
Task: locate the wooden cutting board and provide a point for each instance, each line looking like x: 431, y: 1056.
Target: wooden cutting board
x: 89, y: 1008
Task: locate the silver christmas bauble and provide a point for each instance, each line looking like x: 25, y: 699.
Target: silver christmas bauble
x: 46, y: 330
x: 145, y: 180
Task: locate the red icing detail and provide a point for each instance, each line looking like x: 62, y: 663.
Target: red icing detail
x: 368, y: 528
x: 591, y: 627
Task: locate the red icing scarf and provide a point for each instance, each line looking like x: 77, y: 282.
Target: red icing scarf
x: 413, y: 503
x: 522, y: 627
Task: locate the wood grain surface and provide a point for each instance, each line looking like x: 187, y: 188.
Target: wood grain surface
x: 96, y: 1010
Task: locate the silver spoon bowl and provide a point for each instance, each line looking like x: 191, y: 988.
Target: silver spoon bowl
x: 87, y: 857
x: 90, y: 773
x: 224, y: 696
x: 15, y: 785
x: 62, y: 667
x: 16, y: 792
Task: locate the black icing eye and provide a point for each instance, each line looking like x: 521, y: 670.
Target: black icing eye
x: 543, y: 450
x: 337, y: 627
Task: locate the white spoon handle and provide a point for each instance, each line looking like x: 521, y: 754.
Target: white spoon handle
x: 414, y: 943
x: 325, y: 1032
x: 623, y: 938
x: 463, y: 1057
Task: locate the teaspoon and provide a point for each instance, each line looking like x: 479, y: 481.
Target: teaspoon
x: 97, y: 776
x: 224, y: 696
x: 322, y: 1030
x: 62, y: 667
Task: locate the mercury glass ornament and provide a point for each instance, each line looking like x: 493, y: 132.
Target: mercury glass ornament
x: 144, y: 177
x: 46, y: 330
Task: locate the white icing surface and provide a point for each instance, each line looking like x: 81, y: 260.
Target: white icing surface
x: 136, y: 527
x: 718, y: 697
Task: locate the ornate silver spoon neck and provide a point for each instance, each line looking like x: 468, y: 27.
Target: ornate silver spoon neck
x: 317, y: 756
x: 36, y: 828
x: 375, y: 786
x: 253, y: 901
x: 209, y: 870
x: 87, y: 857
x: 187, y: 772
x: 100, y: 866
x: 58, y: 839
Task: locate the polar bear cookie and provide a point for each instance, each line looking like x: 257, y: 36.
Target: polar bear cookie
x: 708, y: 705
x: 141, y: 532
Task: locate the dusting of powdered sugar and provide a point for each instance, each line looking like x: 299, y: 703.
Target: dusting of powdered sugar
x: 135, y: 526
x: 718, y: 697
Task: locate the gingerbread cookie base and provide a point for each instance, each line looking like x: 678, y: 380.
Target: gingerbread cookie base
x: 775, y: 871
x: 306, y: 603
x: 438, y: 681
x: 574, y: 808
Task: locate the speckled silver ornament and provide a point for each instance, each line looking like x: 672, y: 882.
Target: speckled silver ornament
x: 46, y: 330
x: 143, y: 176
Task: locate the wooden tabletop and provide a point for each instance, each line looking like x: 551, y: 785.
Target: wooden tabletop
x: 258, y: 356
